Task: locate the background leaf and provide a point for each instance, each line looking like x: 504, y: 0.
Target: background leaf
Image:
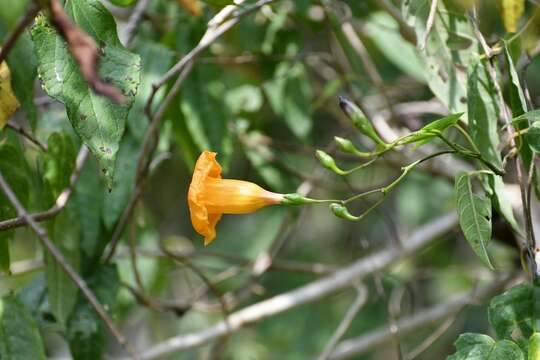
x: 19, y: 335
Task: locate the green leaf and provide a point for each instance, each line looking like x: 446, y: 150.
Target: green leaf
x: 533, y: 137
x: 500, y: 201
x: 483, y: 111
x: 19, y: 335
x: 62, y: 291
x: 86, y: 333
x: 86, y: 206
x: 534, y: 347
x: 96, y: 119
x: 59, y: 161
x: 430, y: 130
x: 442, y: 60
x: 474, y: 214
x: 12, y: 166
x: 470, y: 346
x: 517, y: 98
x: 155, y: 60
x: 202, y: 104
x: 115, y: 201
x: 23, y: 65
x: 244, y: 98
x: 515, y: 314
x: 384, y: 31
x: 260, y: 156
x: 289, y: 95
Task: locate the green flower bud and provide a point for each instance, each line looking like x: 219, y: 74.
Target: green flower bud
x: 359, y: 120
x: 345, y: 145
x: 328, y: 162
x: 342, y: 212
x: 297, y: 199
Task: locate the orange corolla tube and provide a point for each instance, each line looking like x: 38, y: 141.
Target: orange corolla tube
x: 210, y: 196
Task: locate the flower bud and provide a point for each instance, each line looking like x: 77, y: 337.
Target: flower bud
x: 359, y: 120
x: 328, y: 162
x: 342, y: 212
x: 297, y: 199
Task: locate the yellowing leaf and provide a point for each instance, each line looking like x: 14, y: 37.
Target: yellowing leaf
x: 511, y: 11
x: 8, y: 101
x: 191, y: 6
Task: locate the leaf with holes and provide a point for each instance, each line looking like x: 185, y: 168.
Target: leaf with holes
x: 474, y: 214
x: 96, y: 119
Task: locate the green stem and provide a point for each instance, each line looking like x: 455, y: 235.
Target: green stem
x: 406, y: 169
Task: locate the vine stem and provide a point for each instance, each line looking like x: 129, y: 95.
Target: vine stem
x: 385, y: 190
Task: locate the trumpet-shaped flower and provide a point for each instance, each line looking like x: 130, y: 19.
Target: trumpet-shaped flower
x: 210, y: 196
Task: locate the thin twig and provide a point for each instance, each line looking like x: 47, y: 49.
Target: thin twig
x: 25, y: 133
x: 315, y: 290
x: 134, y: 21
x: 420, y: 320
x: 24, y: 22
x: 53, y: 250
x: 434, y: 336
x: 429, y: 24
x: 60, y: 202
x: 355, y: 307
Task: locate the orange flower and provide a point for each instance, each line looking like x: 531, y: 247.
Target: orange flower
x: 210, y: 196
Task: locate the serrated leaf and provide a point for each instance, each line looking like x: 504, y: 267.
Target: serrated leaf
x: 470, y: 346
x: 511, y: 11
x: 23, y: 64
x: 515, y: 314
x: 61, y: 290
x: 8, y: 102
x: 483, y: 112
x: 474, y: 214
x: 96, y: 119
x: 59, y: 161
x: 19, y: 335
x: 86, y: 333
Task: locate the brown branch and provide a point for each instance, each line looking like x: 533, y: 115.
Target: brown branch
x: 134, y: 21
x: 53, y: 250
x: 84, y: 50
x: 318, y: 289
x: 23, y: 23
x: 421, y: 319
x: 21, y: 130
x: 429, y: 24
x: 60, y: 202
